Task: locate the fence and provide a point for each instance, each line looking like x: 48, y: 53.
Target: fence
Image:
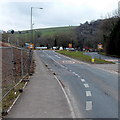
x: 15, y: 65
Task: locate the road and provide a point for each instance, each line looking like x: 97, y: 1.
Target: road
x: 93, y: 92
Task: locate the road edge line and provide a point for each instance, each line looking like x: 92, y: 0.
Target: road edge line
x: 68, y: 100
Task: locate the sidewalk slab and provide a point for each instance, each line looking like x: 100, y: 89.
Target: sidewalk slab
x: 42, y: 97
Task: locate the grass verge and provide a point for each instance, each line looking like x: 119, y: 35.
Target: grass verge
x: 80, y: 56
x: 10, y: 98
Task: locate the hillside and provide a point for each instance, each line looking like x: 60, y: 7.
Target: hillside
x: 55, y: 30
x: 25, y: 36
x: 87, y: 35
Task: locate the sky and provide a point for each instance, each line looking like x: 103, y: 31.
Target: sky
x: 16, y: 14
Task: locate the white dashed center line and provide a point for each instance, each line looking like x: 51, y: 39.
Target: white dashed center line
x: 57, y: 56
x: 88, y: 105
x: 88, y: 93
x: 83, y: 80
x: 74, y: 73
x: 86, y: 85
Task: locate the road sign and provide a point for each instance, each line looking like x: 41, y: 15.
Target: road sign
x: 100, y: 46
x: 70, y: 45
x: 30, y: 45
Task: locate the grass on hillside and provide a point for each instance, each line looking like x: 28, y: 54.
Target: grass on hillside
x: 80, y: 56
x: 52, y: 31
x: 26, y: 34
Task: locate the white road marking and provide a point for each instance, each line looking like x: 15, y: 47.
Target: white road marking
x: 83, y: 80
x: 88, y: 93
x: 76, y: 74
x: 73, y: 72
x: 86, y: 85
x: 57, y: 56
x: 113, y: 72
x: 54, y: 60
x: 70, y: 70
x: 88, y: 105
x: 68, y: 100
x: 67, y: 61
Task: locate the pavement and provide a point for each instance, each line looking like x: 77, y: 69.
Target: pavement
x: 42, y: 97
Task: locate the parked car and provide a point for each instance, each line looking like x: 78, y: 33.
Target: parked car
x: 70, y: 49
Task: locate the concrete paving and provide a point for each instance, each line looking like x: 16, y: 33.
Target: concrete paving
x: 42, y: 97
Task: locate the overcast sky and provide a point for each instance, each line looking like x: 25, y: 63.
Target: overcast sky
x: 16, y: 14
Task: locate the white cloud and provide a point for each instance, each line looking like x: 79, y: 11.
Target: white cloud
x: 15, y: 14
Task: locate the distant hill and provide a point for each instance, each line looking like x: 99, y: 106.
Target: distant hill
x: 86, y: 35
x: 55, y: 30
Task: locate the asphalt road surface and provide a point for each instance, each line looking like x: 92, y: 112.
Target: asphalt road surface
x: 93, y: 92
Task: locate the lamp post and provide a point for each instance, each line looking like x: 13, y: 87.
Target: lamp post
x: 31, y: 24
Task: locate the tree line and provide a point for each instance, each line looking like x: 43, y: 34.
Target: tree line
x: 90, y: 34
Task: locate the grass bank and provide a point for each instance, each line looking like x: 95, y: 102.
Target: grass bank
x: 80, y: 56
x: 10, y: 98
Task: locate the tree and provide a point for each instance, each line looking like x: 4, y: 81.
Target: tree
x: 5, y: 37
x: 109, y: 28
x: 113, y: 44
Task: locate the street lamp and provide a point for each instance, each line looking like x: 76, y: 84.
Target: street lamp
x: 31, y: 20
x: 31, y: 15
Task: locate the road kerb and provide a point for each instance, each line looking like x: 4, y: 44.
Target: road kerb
x: 68, y: 100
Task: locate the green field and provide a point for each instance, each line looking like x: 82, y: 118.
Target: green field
x: 55, y: 30
x: 80, y: 56
x: 44, y: 32
x: 51, y: 31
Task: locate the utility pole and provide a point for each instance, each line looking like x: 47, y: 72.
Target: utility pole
x: 31, y: 23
